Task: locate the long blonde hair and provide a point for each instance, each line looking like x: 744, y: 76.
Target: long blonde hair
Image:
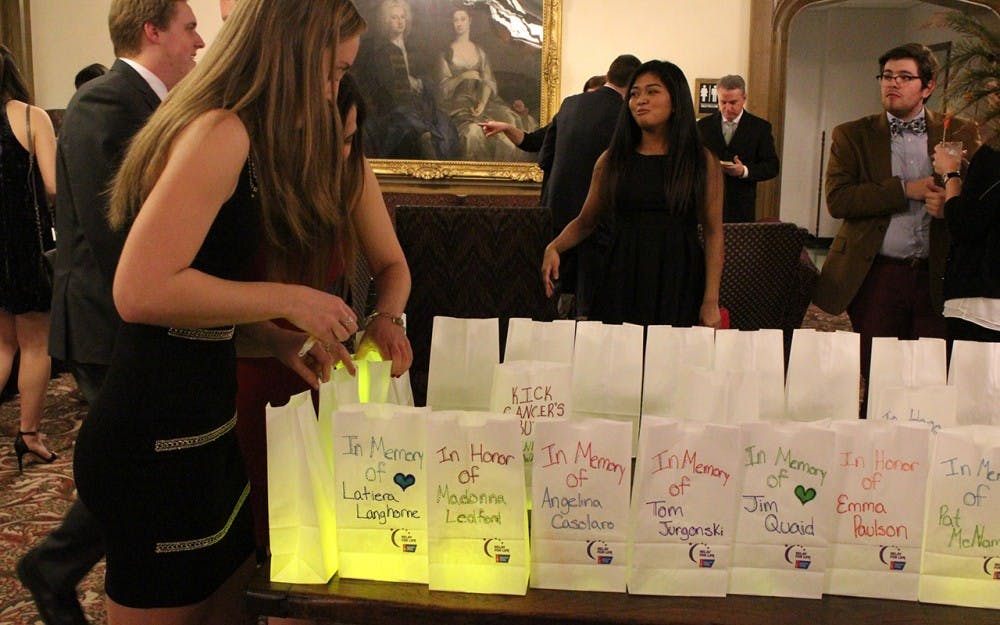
x: 266, y: 66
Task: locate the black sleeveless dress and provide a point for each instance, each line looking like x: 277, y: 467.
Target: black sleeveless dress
x: 157, y: 460
x: 22, y: 289
x: 655, y: 272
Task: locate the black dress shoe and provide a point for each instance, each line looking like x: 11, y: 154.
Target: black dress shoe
x: 55, y: 606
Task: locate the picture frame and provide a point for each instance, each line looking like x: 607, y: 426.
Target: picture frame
x: 706, y: 97
x: 422, y: 97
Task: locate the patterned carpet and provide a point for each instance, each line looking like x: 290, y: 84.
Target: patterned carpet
x: 33, y: 503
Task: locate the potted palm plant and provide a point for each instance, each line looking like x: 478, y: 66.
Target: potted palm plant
x: 973, y: 69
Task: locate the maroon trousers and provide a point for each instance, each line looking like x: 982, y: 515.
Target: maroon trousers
x: 894, y: 300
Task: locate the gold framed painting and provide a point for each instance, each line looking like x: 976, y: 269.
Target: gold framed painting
x: 431, y: 71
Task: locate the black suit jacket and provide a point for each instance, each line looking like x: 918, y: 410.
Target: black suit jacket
x: 100, y: 120
x: 753, y: 142
x: 577, y: 136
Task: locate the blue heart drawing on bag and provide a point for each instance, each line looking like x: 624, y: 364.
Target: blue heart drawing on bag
x: 805, y: 495
x: 404, y: 481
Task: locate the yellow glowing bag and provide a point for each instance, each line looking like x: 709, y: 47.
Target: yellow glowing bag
x: 381, y: 491
x: 300, y: 493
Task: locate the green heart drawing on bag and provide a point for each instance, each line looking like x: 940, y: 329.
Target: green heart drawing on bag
x: 805, y: 495
x: 404, y: 481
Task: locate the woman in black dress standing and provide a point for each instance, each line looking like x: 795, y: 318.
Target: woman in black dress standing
x: 25, y: 229
x: 971, y: 207
x: 660, y: 182
x: 247, y: 151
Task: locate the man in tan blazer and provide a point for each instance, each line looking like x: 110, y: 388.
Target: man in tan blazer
x: 886, y: 264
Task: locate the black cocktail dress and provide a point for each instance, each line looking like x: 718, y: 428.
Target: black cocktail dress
x: 655, y: 272
x: 157, y: 460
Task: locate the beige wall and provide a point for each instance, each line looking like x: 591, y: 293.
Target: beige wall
x: 68, y: 35
x: 706, y: 38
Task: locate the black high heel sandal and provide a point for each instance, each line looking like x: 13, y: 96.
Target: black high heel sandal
x: 21, y: 448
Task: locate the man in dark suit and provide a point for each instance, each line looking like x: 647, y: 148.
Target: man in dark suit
x: 745, y: 145
x: 886, y: 264
x: 155, y: 42
x: 577, y: 136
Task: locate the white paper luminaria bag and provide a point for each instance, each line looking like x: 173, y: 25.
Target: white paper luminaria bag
x: 684, y: 506
x: 961, y: 561
x: 607, y: 372
x: 549, y: 341
x: 882, y: 470
x: 670, y: 353
x: 380, y: 464
x: 477, y: 512
x: 463, y: 354
x: 533, y: 392
x: 762, y: 351
x: 785, y: 522
x: 910, y: 364
x: 300, y: 496
x: 580, y: 489
x: 975, y: 373
x: 824, y: 376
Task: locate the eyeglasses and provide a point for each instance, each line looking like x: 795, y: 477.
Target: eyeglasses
x: 899, y: 79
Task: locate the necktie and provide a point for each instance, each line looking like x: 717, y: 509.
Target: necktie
x: 917, y: 126
x: 728, y: 129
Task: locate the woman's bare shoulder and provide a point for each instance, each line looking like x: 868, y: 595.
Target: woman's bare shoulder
x: 218, y: 126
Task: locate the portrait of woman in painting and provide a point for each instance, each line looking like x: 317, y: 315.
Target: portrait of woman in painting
x: 469, y: 94
x: 407, y: 123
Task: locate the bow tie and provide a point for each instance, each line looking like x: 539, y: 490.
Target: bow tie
x: 917, y: 126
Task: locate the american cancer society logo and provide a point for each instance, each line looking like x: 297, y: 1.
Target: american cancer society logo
x: 991, y: 566
x: 797, y: 556
x: 702, y: 555
x: 600, y: 552
x: 403, y: 540
x: 893, y: 557
x: 496, y: 550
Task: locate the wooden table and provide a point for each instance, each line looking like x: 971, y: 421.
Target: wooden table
x: 357, y: 602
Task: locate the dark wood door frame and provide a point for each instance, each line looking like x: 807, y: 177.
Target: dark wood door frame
x: 15, y: 33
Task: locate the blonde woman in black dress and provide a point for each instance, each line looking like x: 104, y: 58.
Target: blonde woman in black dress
x: 24, y: 296
x: 246, y: 152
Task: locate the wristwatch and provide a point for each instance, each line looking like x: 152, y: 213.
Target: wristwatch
x: 951, y: 174
x: 400, y: 321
